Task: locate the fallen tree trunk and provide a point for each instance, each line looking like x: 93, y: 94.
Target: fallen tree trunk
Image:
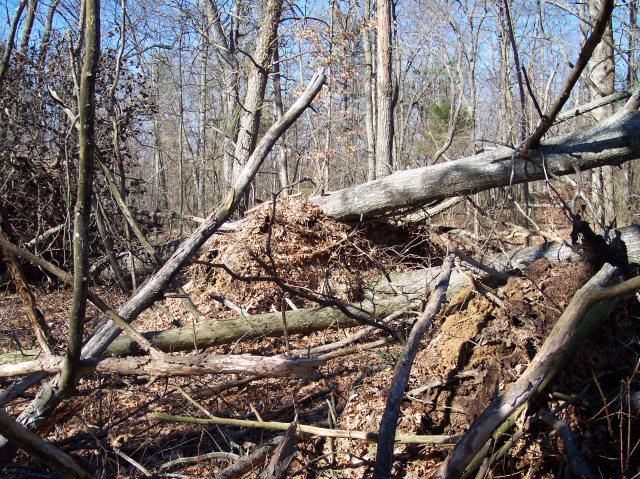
x: 168, y: 366
x: 612, y: 142
x: 216, y: 332
x: 403, y: 289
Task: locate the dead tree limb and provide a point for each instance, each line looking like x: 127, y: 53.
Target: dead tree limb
x: 169, y: 366
x: 41, y: 329
x: 547, y: 120
x: 573, y: 453
x: 8, y: 49
x: 247, y: 463
x: 304, y: 429
x: 283, y: 454
x: 40, y: 449
x: 593, y: 105
x: 389, y: 422
x: 612, y: 142
x: 589, y: 306
x: 34, y: 415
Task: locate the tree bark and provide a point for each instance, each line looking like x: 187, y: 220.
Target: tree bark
x: 611, y: 142
x: 256, y: 85
x: 602, y: 84
x: 227, y: 49
x: 86, y: 109
x: 34, y: 415
x: 369, y: 93
x: 225, y: 331
x: 28, y: 26
x: 278, y: 111
x: 384, y: 82
x: 171, y: 366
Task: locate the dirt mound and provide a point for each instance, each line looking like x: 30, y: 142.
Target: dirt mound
x: 483, y: 344
x: 301, y: 247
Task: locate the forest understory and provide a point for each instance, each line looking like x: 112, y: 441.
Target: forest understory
x: 320, y: 239
x: 481, y: 342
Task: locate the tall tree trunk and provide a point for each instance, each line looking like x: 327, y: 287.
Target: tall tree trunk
x: 227, y: 49
x: 199, y: 167
x: 523, y: 126
x: 369, y: 92
x: 256, y: 85
x: 160, y: 178
x: 633, y: 40
x: 602, y: 83
x: 278, y: 111
x: 28, y: 26
x: 384, y: 139
x: 8, y: 49
x: 86, y: 108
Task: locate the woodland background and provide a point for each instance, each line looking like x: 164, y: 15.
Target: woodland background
x: 131, y: 132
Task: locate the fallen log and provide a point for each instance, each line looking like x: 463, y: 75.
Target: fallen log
x: 403, y: 288
x: 612, y: 142
x: 169, y: 366
x: 214, y: 332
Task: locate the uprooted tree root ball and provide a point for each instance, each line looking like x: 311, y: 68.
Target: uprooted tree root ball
x: 310, y: 252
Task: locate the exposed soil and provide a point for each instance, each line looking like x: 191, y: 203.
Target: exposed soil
x: 481, y: 343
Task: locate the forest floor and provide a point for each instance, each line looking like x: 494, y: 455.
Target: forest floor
x: 481, y: 342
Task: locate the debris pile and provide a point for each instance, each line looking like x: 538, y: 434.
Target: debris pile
x: 300, y: 248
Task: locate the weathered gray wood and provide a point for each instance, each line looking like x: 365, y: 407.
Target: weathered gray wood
x: 169, y: 366
x: 613, y: 142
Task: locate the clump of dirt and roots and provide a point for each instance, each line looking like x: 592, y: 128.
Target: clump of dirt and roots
x: 292, y: 246
x: 482, y: 342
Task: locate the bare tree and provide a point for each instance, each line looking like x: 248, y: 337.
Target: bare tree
x: 86, y: 109
x: 602, y: 84
x: 384, y: 82
x: 256, y: 86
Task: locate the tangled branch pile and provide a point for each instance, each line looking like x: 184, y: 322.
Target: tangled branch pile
x: 302, y: 247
